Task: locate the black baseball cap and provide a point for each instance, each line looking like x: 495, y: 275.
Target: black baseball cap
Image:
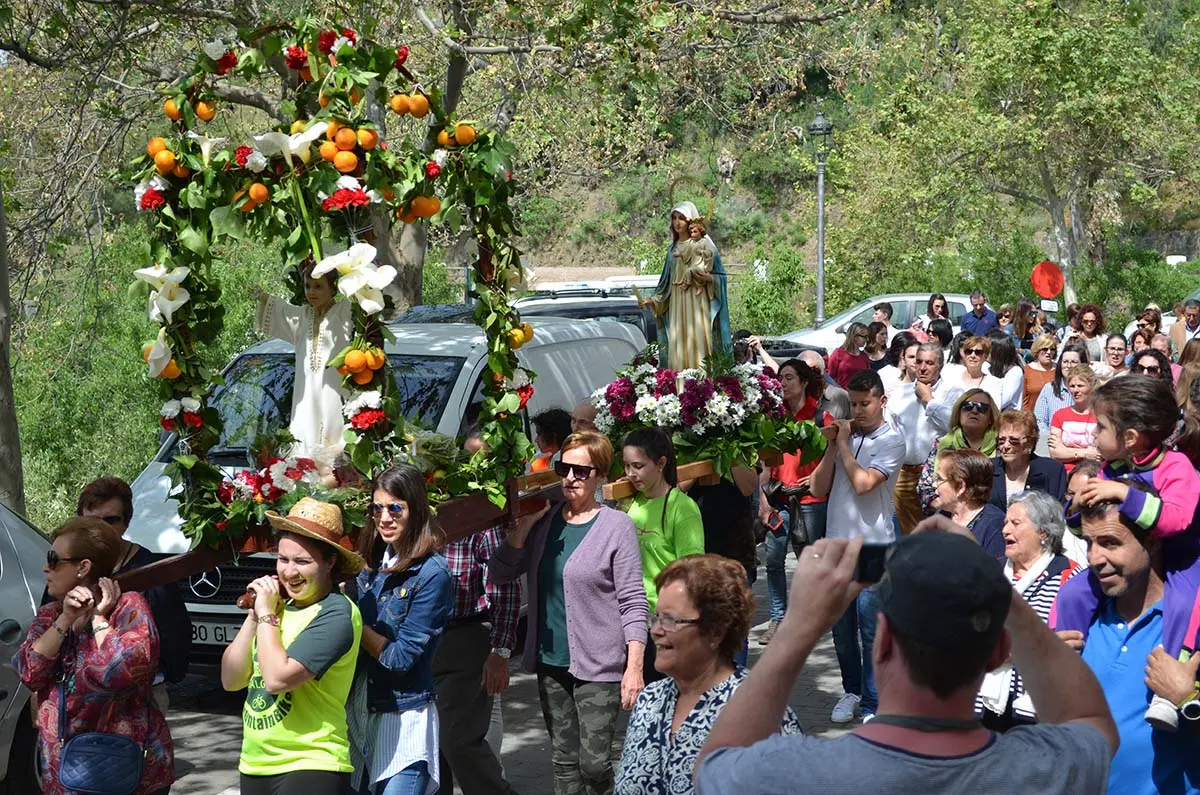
x: 943, y: 590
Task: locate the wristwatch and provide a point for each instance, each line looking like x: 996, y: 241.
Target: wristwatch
x: 503, y: 654
x: 1190, y: 708
x: 100, y: 625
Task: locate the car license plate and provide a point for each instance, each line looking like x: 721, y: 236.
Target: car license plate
x: 212, y: 634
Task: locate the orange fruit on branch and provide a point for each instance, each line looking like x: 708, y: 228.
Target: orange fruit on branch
x: 206, y: 111
x: 181, y: 171
x: 367, y: 138
x: 464, y: 134
x: 433, y: 206
x: 365, y: 377
x: 297, y: 126
x: 355, y: 96
x: 306, y: 74
x: 164, y: 161
x: 324, y: 100
x: 527, y: 331
x: 355, y: 360
x: 329, y: 150
x: 374, y: 359
x: 443, y: 139
x: 345, y: 139
x: 332, y: 129
x: 400, y: 104
x: 172, y: 110
x: 343, y: 370
x: 259, y: 193
x: 171, y: 371
x: 418, y: 105
x: 345, y: 162
x: 156, y: 145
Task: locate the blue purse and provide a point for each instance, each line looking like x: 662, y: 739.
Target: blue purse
x: 96, y: 763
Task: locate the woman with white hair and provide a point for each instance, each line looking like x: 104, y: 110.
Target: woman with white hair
x: 1035, y: 564
x: 692, y: 316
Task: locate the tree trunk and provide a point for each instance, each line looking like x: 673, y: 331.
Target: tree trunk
x: 12, y: 482
x: 1062, y: 231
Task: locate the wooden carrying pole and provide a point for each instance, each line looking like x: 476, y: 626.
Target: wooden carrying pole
x: 699, y: 470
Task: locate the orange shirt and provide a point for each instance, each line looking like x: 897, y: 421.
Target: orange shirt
x: 791, y: 471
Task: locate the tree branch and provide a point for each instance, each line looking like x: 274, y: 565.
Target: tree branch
x: 28, y: 56
x: 239, y: 95
x: 1018, y: 194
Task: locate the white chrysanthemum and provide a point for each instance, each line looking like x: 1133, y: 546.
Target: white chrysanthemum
x: 170, y: 409
x: 215, y: 49
x: 666, y: 411
x: 190, y: 404
x: 645, y: 408
x: 361, y: 402
x: 604, y: 423
x: 278, y: 474
x: 256, y: 161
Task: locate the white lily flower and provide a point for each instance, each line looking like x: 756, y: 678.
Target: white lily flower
x: 278, y: 143
x: 170, y: 409
x: 215, y: 49
x: 206, y: 145
x: 358, y: 277
x: 160, y: 354
x: 190, y: 404
x: 167, y: 295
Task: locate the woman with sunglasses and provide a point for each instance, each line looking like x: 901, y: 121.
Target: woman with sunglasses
x: 935, y: 308
x: 973, y: 425
x: 972, y: 375
x: 406, y: 596
x: 97, y: 648
x: 1091, y: 331
x: 1040, y: 370
x: 1054, y: 395
x: 1152, y: 363
x: 850, y: 357
x: 668, y: 521
x: 1017, y: 467
x: 587, y: 614
x: 1073, y: 429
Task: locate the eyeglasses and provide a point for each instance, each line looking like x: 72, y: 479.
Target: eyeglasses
x: 939, y: 480
x: 1090, y: 322
x: 670, y: 623
x: 1015, y: 441
x: 1048, y: 351
x: 576, y: 471
x: 394, y: 508
x: 977, y: 406
x: 1116, y: 350
x: 973, y: 352
x: 1149, y: 369
x: 52, y: 559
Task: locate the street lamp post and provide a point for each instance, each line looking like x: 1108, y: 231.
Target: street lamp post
x: 820, y: 131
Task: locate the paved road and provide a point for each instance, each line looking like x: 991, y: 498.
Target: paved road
x: 207, y: 728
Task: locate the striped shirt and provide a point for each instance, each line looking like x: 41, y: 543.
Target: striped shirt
x: 1048, y: 403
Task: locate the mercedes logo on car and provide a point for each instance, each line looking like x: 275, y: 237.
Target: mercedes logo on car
x: 206, y: 585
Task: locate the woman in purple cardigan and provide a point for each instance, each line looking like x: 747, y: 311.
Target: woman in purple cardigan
x: 587, y: 615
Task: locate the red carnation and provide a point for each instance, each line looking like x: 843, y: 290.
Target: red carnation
x: 225, y: 492
x: 432, y: 170
x: 192, y: 419
x: 226, y: 62
x: 241, y: 153
x: 296, y: 57
x: 401, y: 56
x: 325, y: 41
x: 367, y: 419
x: 349, y: 34
x: 272, y: 493
x: 222, y: 525
x: 152, y: 199
x: 167, y: 423
x: 345, y: 197
x: 525, y: 393
x: 292, y: 473
x: 306, y: 465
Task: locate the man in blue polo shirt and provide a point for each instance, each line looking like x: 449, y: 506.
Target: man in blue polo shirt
x: 1122, y: 648
x: 980, y: 320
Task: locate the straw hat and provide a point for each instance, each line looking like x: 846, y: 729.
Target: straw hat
x: 320, y: 521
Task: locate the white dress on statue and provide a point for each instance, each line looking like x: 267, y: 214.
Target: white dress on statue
x: 317, y: 397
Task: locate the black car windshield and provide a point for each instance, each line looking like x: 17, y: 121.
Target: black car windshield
x: 257, y: 395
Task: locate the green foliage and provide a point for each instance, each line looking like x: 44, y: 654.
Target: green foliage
x: 1131, y: 277
x: 436, y: 285
x: 84, y: 406
x: 770, y: 306
x: 543, y: 219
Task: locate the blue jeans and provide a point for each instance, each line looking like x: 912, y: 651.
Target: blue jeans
x: 777, y: 546
x: 412, y: 780
x: 858, y: 675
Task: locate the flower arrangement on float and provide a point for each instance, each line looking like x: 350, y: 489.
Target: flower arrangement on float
x: 325, y: 185
x: 728, y: 413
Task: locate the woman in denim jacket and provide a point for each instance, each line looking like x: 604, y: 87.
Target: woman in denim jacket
x: 406, y: 601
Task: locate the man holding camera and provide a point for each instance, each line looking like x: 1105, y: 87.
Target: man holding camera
x: 858, y: 473
x: 948, y: 615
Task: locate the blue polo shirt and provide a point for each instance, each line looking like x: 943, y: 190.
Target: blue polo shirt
x: 1149, y: 762
x: 973, y: 324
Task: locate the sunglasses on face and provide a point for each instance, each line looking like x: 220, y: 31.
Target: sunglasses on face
x: 52, y: 560
x: 1150, y: 369
x: 973, y: 352
x: 576, y: 471
x: 1015, y: 441
x: 977, y: 406
x: 1089, y: 321
x: 394, y: 508
x: 1047, y: 351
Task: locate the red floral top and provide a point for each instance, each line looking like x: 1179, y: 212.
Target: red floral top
x: 109, y: 692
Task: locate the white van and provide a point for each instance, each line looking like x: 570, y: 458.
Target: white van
x: 438, y: 369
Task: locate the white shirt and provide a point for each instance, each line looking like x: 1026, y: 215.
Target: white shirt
x: 919, y: 424
x: 1012, y: 388
x: 869, y: 515
x: 990, y: 383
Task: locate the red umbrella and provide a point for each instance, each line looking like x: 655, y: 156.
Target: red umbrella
x: 1047, y: 279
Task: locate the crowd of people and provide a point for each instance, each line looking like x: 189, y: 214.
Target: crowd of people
x: 1033, y: 627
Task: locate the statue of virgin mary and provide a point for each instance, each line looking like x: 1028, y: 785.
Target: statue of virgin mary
x: 690, y: 302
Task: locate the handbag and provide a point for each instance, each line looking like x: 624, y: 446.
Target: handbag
x: 96, y: 763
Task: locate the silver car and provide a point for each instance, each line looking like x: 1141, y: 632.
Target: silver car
x: 22, y: 556
x: 905, y: 306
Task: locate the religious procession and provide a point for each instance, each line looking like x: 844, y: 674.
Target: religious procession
x: 606, y: 536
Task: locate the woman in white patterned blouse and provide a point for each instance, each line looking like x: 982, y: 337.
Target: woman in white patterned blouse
x: 703, y: 618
